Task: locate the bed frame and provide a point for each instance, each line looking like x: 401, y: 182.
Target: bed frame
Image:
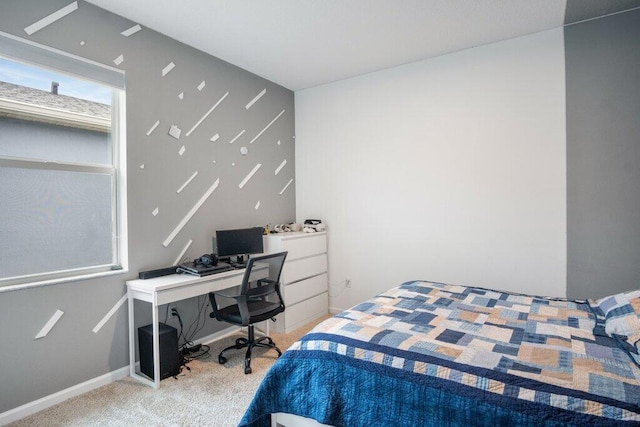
x: 289, y: 420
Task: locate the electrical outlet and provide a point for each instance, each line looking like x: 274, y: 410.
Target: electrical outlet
x: 347, y: 283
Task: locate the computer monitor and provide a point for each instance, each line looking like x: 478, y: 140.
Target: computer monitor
x: 239, y: 242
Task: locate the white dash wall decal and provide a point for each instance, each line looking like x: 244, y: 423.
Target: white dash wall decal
x: 50, y: 324
x: 50, y: 19
x: 267, y: 127
x: 155, y: 212
x: 119, y: 60
x: 214, y: 138
x: 257, y: 205
x: 155, y: 125
x: 187, y: 182
x: 190, y: 214
x: 201, y: 86
x: 175, y: 131
x: 237, y: 136
x: 286, y: 186
x: 284, y: 162
x: 109, y: 314
x: 131, y: 31
x: 248, y: 177
x: 184, y: 251
x: 182, y: 150
x: 207, y: 113
x: 253, y: 101
x: 168, y: 68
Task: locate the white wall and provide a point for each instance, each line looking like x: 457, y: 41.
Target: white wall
x: 450, y: 169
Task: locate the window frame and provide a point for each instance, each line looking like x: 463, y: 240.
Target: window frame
x: 33, y: 54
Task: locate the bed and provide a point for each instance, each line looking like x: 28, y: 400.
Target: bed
x: 431, y: 354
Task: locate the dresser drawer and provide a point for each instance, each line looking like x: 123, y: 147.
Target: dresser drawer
x: 300, y: 314
x: 305, y: 289
x: 303, y: 268
x: 299, y: 245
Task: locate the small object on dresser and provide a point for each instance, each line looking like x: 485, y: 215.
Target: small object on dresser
x: 313, y: 225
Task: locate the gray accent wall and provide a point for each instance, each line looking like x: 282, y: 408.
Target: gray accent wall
x: 158, y: 166
x: 603, y: 155
x: 580, y: 10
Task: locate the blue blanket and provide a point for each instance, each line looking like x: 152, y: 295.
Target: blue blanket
x: 429, y: 354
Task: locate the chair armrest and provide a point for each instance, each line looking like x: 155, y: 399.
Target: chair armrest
x: 227, y: 295
x: 233, y: 293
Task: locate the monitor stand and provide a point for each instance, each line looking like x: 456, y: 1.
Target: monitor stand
x: 240, y: 262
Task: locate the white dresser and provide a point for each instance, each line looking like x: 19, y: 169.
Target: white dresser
x: 304, y: 277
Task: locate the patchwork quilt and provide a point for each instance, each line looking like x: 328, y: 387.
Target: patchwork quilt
x: 430, y: 354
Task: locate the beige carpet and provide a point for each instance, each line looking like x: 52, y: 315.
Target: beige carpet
x: 210, y: 394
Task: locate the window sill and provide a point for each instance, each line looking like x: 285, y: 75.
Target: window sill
x: 88, y: 276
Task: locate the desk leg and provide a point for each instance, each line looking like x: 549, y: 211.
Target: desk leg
x: 132, y: 334
x: 156, y: 345
x: 132, y: 344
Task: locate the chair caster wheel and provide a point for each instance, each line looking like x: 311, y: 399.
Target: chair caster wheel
x: 222, y: 360
x: 247, y: 368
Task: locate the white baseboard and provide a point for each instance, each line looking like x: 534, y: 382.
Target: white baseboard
x: 31, y: 408
x: 55, y: 398
x: 336, y: 310
x: 218, y: 335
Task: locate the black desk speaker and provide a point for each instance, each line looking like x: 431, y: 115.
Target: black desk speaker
x: 169, y: 356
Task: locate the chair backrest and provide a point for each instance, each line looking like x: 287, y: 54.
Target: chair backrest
x: 255, y: 270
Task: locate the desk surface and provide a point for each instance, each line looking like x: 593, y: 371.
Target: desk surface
x: 163, y: 283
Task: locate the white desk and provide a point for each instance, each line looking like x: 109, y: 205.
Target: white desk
x: 167, y: 289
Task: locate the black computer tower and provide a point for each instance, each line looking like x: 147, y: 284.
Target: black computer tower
x: 169, y: 355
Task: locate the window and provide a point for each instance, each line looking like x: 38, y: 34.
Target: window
x: 61, y: 166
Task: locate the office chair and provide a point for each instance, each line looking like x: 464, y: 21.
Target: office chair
x: 258, y: 299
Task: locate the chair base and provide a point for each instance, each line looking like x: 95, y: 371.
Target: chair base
x: 249, y: 343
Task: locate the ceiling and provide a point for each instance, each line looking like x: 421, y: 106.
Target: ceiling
x: 304, y: 43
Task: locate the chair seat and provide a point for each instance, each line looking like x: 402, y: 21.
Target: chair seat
x: 260, y: 310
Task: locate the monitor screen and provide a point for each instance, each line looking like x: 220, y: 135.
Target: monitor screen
x: 242, y: 241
